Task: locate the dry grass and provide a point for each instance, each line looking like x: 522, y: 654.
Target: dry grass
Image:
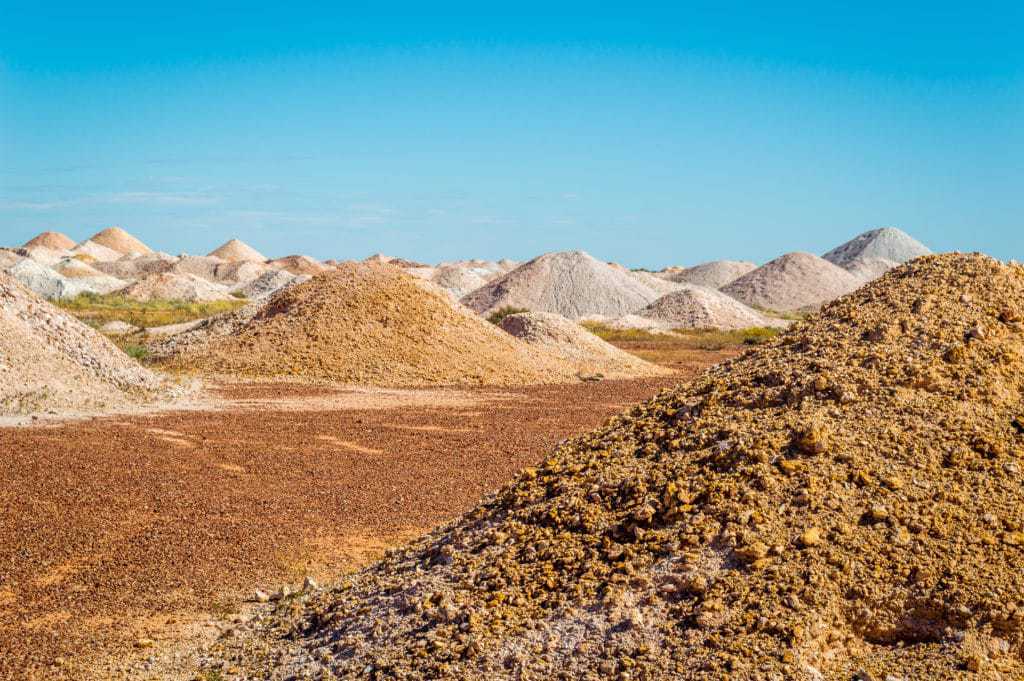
x: 691, y: 339
x: 97, y: 310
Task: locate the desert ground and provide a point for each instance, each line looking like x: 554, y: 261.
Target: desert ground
x: 234, y: 466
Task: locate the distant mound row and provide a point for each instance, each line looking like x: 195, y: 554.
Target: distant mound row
x: 374, y: 325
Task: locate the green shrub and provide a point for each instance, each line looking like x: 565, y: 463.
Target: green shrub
x: 496, y: 316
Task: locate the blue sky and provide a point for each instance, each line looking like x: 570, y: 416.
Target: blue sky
x: 641, y: 133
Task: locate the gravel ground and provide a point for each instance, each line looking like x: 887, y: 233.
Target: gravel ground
x: 121, y: 531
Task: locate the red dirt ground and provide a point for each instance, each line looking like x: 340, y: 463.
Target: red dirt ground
x: 124, y: 528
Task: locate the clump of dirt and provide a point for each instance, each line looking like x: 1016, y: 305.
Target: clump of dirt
x: 567, y: 339
x: 373, y: 325
x: 235, y: 250
x: 173, y: 286
x: 845, y: 501
x: 795, y: 281
x: 53, y: 240
x: 50, y: 361
x: 116, y: 239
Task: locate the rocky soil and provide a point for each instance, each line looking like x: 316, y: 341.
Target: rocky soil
x: 845, y: 501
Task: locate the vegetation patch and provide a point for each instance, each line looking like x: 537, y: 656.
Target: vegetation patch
x: 496, y: 316
x: 96, y: 309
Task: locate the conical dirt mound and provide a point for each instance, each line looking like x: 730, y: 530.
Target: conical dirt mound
x: 116, y: 239
x: 572, y: 284
x: 697, y: 307
x: 886, y: 243
x: 53, y: 240
x: 795, y: 281
x: 374, y: 325
x: 238, y: 251
x: 51, y: 361
x: 567, y: 339
x: 843, y: 502
x: 715, y: 274
x: 298, y: 264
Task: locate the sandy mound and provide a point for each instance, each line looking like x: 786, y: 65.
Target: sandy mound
x: 137, y: 267
x: 572, y: 284
x: 202, y: 266
x: 887, y: 244
x: 697, y: 307
x: 9, y: 258
x: 374, y: 325
x: 196, y: 336
x: 96, y: 252
x: 51, y: 361
x: 44, y: 281
x: 269, y: 283
x: 715, y: 274
x: 173, y: 286
x: 795, y: 281
x: 45, y: 256
x: 298, y: 264
x: 567, y: 339
x: 240, y: 273
x: 457, y: 280
x: 116, y: 239
x: 381, y: 259
x: 869, y: 269
x: 87, y: 277
x: 238, y: 251
x: 660, y: 285
x: 843, y: 502
x: 52, y: 240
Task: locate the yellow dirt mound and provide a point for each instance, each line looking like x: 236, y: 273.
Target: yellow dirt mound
x: 116, y: 239
x: 846, y: 501
x: 374, y: 325
x: 53, y: 240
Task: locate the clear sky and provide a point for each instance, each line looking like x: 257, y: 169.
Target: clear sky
x: 644, y: 134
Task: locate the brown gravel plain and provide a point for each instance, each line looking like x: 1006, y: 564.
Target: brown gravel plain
x: 120, y: 536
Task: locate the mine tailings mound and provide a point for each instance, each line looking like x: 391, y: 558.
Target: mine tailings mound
x: 795, y: 281
x: 54, y: 240
x: 567, y: 339
x: 50, y: 361
x: 116, y: 239
x: 572, y: 284
x: 374, y: 325
x: 845, y: 501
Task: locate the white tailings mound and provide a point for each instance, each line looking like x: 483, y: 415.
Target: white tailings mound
x: 569, y: 340
x: 795, y: 281
x: 298, y: 264
x: 699, y: 307
x: 238, y: 251
x: 269, y: 283
x: 869, y: 269
x: 886, y: 243
x: 96, y: 252
x: 571, y: 283
x: 132, y: 268
x: 45, y: 255
x: 653, y: 281
x: 239, y: 273
x: 715, y: 274
x: 172, y: 286
x: 51, y: 361
x: 458, y: 280
x: 44, y: 281
x: 88, y: 277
